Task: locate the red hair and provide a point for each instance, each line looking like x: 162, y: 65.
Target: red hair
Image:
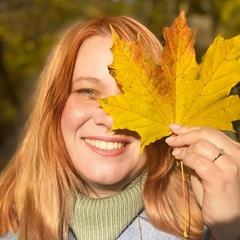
x: 39, y: 180
x: 163, y: 194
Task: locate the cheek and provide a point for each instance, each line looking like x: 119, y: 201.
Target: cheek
x: 74, y: 115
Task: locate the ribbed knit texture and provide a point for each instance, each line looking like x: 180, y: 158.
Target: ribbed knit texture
x: 105, y: 218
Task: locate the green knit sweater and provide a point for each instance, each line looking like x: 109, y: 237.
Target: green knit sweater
x: 105, y: 218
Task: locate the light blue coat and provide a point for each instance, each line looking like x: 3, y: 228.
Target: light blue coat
x: 132, y: 232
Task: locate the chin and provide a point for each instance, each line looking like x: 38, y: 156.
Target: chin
x: 110, y: 178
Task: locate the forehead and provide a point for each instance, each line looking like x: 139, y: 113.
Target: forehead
x: 94, y: 56
x: 96, y: 41
x: 95, y: 47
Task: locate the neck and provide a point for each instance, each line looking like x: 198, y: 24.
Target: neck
x: 95, y: 190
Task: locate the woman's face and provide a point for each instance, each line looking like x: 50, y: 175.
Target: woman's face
x: 106, y: 160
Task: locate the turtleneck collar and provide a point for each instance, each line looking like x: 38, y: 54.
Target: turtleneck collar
x: 105, y: 218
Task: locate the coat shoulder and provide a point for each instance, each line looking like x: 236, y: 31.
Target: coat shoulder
x: 9, y: 236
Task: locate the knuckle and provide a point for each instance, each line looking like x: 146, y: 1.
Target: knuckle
x: 195, y: 160
x: 206, y: 131
x: 229, y: 176
x: 233, y: 170
x: 200, y: 144
x: 199, y: 160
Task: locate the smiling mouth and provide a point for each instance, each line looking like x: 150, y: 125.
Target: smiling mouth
x: 105, y: 145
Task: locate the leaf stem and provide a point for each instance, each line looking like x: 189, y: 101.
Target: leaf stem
x: 186, y: 213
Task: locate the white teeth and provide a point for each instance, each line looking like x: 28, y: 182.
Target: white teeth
x: 105, y: 145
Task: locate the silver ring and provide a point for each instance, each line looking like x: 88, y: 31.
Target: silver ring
x: 220, y: 153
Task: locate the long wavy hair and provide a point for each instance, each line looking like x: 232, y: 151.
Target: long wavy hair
x: 36, y: 185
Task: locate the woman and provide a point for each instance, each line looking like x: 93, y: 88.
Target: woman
x: 72, y: 178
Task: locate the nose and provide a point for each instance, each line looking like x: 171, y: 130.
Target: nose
x: 101, y: 118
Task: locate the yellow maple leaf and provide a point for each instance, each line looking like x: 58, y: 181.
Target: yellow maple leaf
x: 177, y: 90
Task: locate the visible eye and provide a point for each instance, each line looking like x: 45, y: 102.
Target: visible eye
x: 87, y: 93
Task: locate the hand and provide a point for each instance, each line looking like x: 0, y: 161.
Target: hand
x: 216, y: 184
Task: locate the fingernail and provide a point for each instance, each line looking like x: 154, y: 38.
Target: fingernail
x: 176, y: 152
x: 170, y: 139
x: 174, y: 126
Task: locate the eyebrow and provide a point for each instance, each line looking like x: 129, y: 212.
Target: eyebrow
x: 89, y: 79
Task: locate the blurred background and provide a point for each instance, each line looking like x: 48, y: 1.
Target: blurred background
x: 30, y: 28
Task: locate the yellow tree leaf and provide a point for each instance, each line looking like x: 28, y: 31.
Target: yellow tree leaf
x: 177, y: 90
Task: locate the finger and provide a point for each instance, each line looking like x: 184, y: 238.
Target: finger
x: 197, y: 187
x: 178, y: 129
x: 201, y: 147
x: 205, y: 166
x: 193, y: 134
